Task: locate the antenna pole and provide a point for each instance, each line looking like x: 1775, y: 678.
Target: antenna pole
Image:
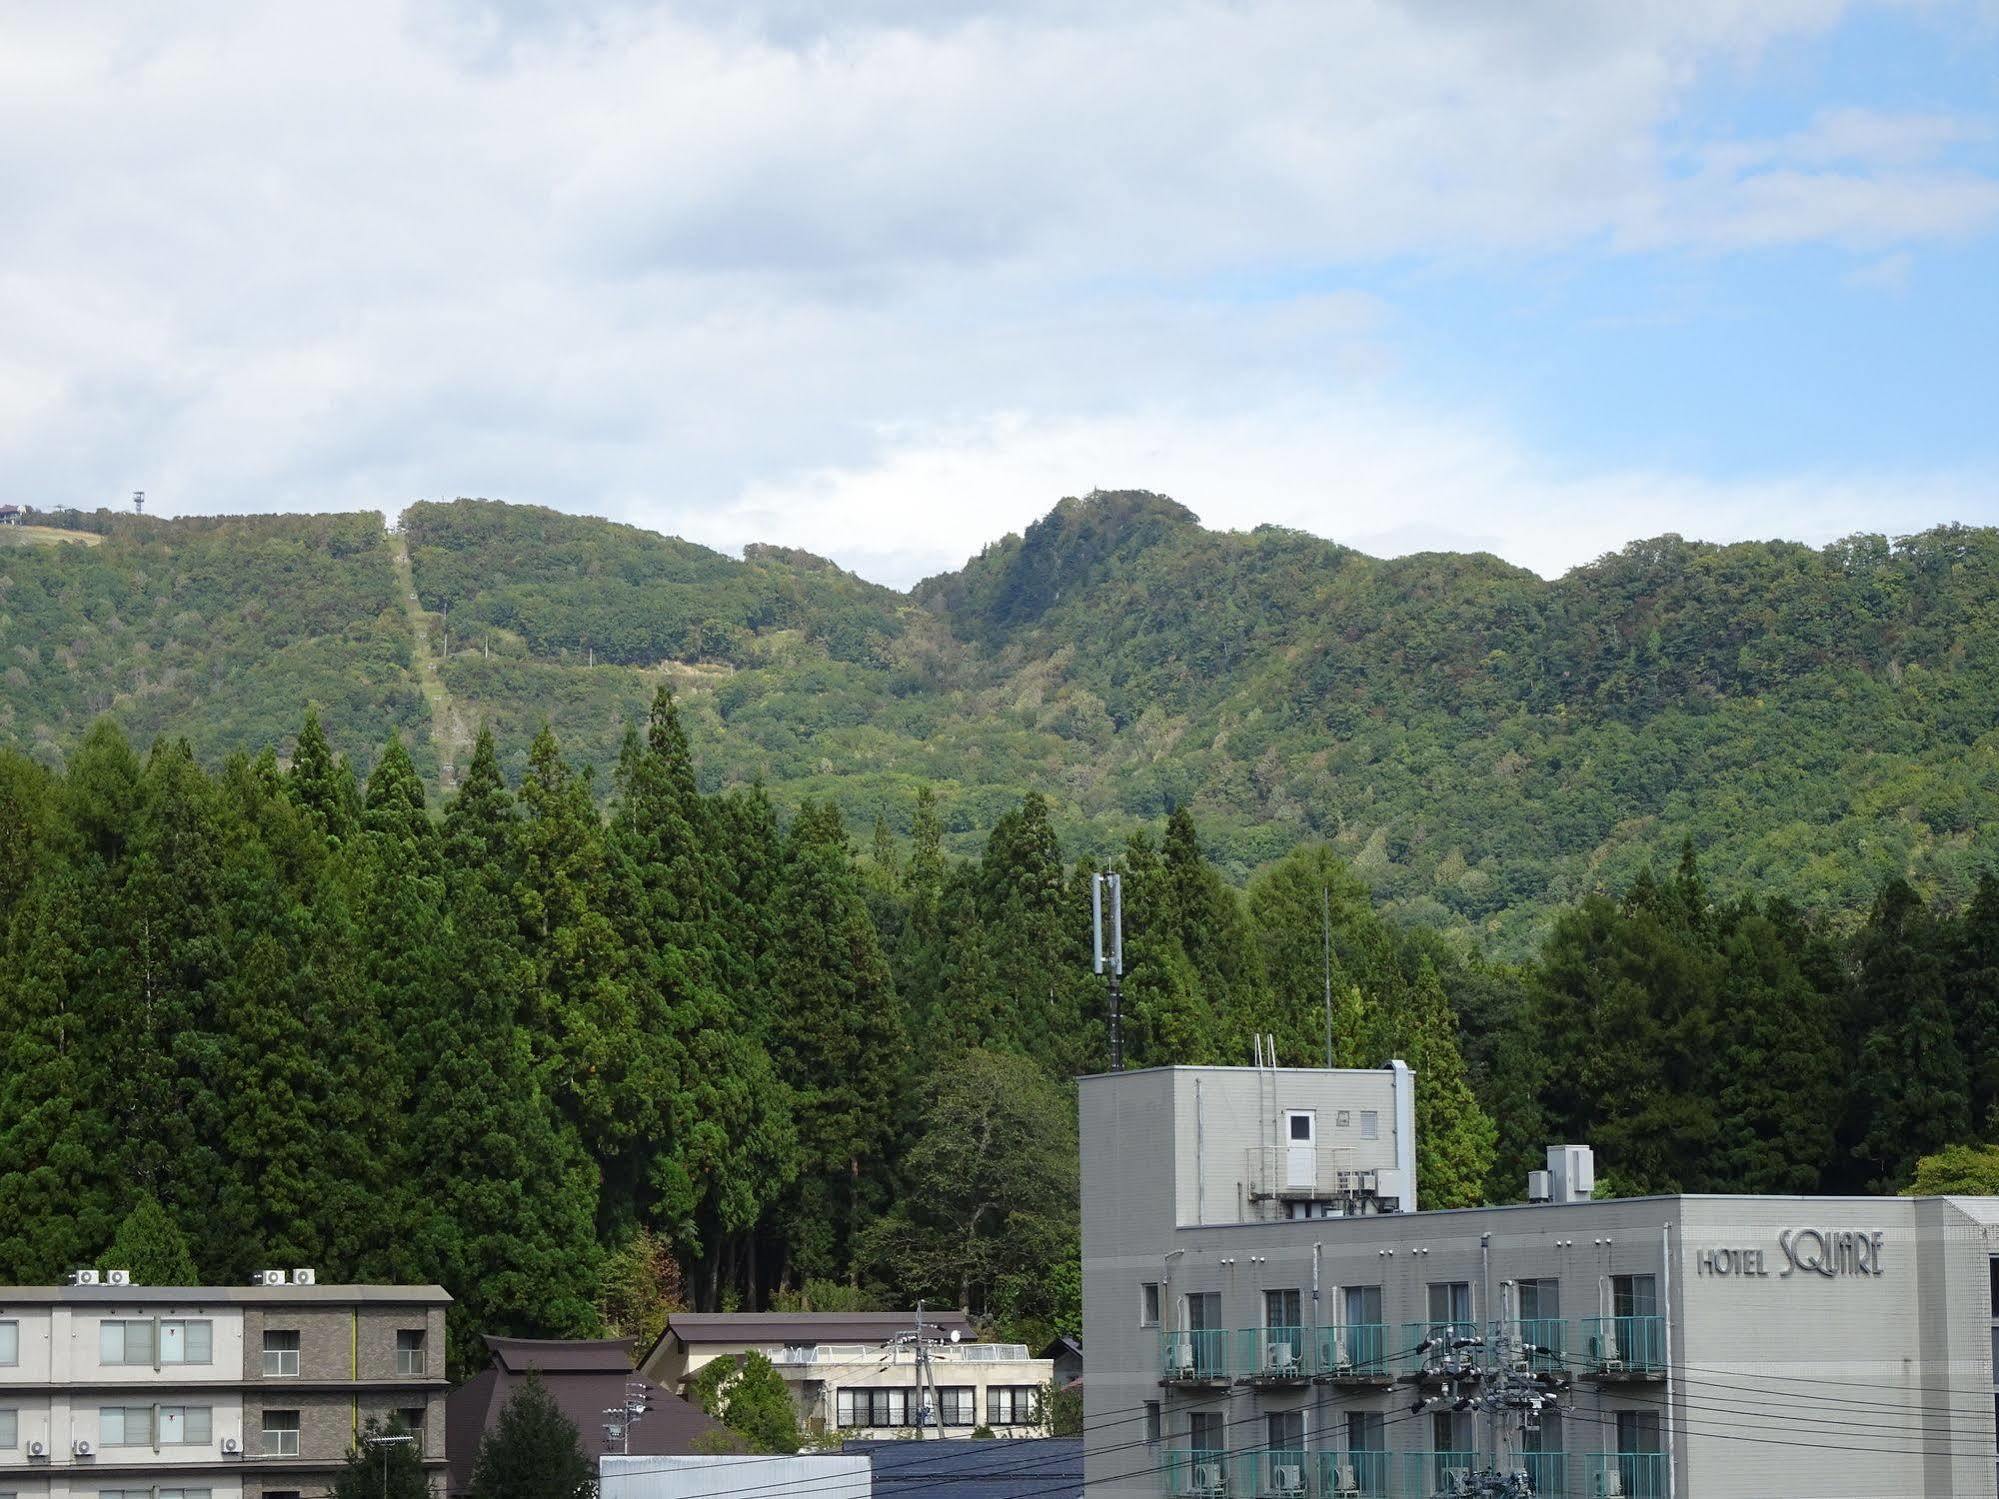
x: 1326, y: 936
x: 1110, y: 960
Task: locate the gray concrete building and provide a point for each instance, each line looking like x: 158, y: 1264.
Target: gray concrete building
x: 1268, y: 1318
x: 117, y: 1391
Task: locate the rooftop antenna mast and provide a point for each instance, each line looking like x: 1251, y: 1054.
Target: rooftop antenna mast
x: 1326, y: 936
x: 1111, y: 961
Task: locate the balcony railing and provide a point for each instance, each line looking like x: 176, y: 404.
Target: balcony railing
x: 1427, y: 1473
x: 1273, y: 1473
x: 1547, y: 1339
x: 1354, y: 1474
x: 1273, y: 1355
x: 1624, y: 1347
x: 1547, y: 1474
x: 1198, y: 1474
x: 1628, y: 1475
x: 1194, y: 1357
x: 1359, y: 1351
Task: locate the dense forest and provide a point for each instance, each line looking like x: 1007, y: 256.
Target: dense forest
x: 1483, y: 748
x: 580, y: 1052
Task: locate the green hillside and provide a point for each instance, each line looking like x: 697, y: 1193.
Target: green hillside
x: 1481, y: 744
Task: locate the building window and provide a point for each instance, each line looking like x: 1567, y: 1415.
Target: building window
x: 10, y: 1343
x: 1370, y: 1124
x: 10, y: 1429
x: 281, y: 1494
x: 187, y: 1342
x: 959, y: 1405
x: 1285, y: 1431
x: 1450, y: 1304
x: 124, y: 1342
x: 1282, y: 1309
x: 412, y: 1418
x: 1148, y: 1303
x: 1152, y: 1423
x: 1205, y: 1431
x: 409, y: 1350
x: 280, y: 1433
x: 1204, y: 1311
x: 872, y: 1408
x: 1367, y: 1431
x: 125, y: 1426
x: 1013, y: 1405
x: 182, y: 1493
x: 1634, y: 1295
x: 280, y: 1352
x: 185, y: 1425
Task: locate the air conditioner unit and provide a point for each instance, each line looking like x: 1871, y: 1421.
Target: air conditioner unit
x: 1346, y: 1482
x: 84, y: 1278
x: 1180, y: 1360
x: 1208, y: 1478
x: 1281, y: 1358
x: 267, y: 1277
x: 1288, y: 1478
x: 80, y: 1447
x: 1610, y: 1484
x: 230, y: 1446
x: 38, y: 1449
x: 1603, y: 1352
x: 118, y: 1277
x: 305, y: 1276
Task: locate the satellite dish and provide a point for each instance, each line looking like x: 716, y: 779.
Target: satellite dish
x: 954, y: 1334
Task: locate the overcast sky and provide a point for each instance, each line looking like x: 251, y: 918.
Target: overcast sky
x: 1537, y: 278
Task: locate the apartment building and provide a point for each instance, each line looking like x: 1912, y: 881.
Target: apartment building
x: 848, y: 1372
x: 119, y: 1391
x: 1267, y: 1322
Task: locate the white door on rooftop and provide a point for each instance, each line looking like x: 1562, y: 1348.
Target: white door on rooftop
x: 1300, y: 1128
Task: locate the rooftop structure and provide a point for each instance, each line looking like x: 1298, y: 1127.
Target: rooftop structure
x: 210, y: 1392
x: 1651, y: 1348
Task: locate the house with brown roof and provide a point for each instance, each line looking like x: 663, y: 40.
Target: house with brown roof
x: 10, y: 515
x: 586, y: 1378
x: 857, y: 1372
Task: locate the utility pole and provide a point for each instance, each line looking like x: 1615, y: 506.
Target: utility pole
x: 624, y: 1417
x: 1113, y: 961
x: 1495, y: 1379
x: 931, y: 1403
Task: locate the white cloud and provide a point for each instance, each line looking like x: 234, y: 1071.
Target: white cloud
x: 660, y: 262
x: 1385, y: 480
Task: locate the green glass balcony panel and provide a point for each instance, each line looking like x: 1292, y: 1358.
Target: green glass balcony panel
x: 1547, y: 1474
x: 1354, y: 1474
x: 1271, y: 1354
x: 1428, y: 1473
x: 1272, y: 1473
x: 1628, y: 1475
x: 1627, y: 1346
x: 1196, y: 1473
x: 1547, y: 1343
x: 1359, y: 1350
x: 1194, y: 1357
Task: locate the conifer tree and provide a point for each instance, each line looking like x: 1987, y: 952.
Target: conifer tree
x: 382, y: 1469
x: 1973, y: 983
x: 320, y: 784
x: 1455, y: 1138
x: 533, y: 1451
x: 150, y: 1245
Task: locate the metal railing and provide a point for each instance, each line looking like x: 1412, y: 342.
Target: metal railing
x: 1286, y: 1171
x: 1272, y: 1355
x: 1273, y: 1473
x: 1547, y: 1473
x: 1627, y: 1346
x: 1426, y: 1473
x: 1550, y: 1335
x: 1194, y: 1357
x: 1357, y: 1350
x: 1354, y: 1474
x: 1628, y: 1475
x: 1197, y: 1473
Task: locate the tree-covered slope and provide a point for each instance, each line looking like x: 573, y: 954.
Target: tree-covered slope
x: 1483, y: 744
x: 217, y: 629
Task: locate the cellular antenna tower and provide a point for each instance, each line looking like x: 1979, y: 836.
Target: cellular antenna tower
x: 1108, y: 889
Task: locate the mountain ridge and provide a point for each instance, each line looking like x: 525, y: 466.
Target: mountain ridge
x: 1481, y: 742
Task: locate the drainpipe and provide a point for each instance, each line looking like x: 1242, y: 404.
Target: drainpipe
x: 1483, y: 1321
x: 1666, y: 1284
x: 1200, y: 1177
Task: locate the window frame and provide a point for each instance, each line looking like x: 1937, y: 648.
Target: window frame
x: 295, y: 1351
x: 878, y: 1400
x: 1155, y: 1422
x: 267, y: 1431
x: 412, y: 1357
x: 1149, y: 1303
x: 1015, y: 1395
x: 122, y: 1328
x: 1370, y: 1124
x: 965, y: 1397
x: 10, y: 1431
x: 124, y: 1417
x: 10, y: 1357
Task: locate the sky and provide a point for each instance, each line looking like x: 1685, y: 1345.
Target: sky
x: 885, y: 279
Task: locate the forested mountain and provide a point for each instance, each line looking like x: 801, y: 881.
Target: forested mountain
x: 1482, y: 745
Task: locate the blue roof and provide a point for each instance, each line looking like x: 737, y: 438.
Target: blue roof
x: 966, y: 1468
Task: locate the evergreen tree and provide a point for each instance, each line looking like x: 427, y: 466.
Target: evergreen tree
x: 150, y: 1245
x: 1973, y: 985
x: 1910, y: 1088
x: 1455, y: 1139
x: 383, y: 1463
x: 320, y: 785
x: 533, y: 1451
x: 836, y: 1038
